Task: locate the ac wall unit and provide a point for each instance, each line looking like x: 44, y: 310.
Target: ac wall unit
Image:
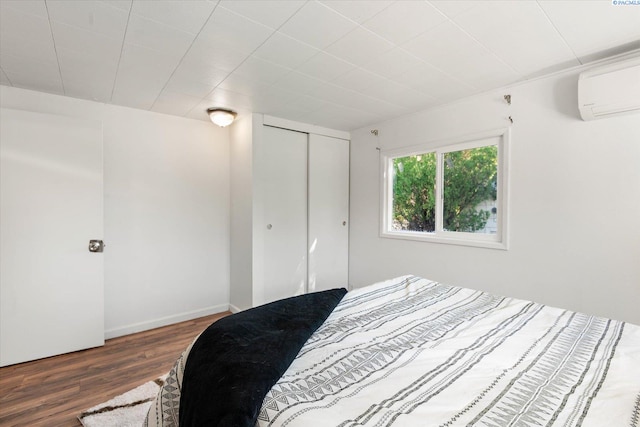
x: 610, y: 90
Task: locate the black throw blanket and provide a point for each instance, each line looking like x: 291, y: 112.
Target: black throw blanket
x: 236, y: 360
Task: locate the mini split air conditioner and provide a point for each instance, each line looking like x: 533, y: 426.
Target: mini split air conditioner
x: 610, y: 90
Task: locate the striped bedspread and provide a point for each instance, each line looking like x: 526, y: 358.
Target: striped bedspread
x: 412, y: 352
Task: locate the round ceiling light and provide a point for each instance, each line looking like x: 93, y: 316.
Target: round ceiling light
x: 221, y: 116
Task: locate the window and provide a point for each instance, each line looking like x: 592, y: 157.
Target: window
x: 451, y: 192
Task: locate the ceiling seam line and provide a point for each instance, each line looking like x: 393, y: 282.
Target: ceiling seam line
x: 476, y: 40
x: 124, y: 37
x: 558, y: 32
x: 248, y: 56
x: 55, y: 50
x: 358, y: 25
x: 182, y: 58
x: 6, y: 76
x: 446, y: 73
x: 511, y: 67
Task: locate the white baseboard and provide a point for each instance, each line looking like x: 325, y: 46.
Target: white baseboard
x: 164, y: 321
x: 234, y: 309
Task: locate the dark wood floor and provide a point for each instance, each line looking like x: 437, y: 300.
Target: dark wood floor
x: 53, y: 391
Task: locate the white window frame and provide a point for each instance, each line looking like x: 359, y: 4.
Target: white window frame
x: 499, y: 137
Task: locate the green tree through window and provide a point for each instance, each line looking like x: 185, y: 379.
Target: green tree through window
x: 469, y: 178
x: 414, y: 193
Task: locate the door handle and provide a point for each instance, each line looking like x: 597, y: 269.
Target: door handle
x: 96, y: 246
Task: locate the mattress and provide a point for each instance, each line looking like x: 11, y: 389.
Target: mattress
x: 414, y: 352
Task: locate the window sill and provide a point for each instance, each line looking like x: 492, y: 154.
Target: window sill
x: 486, y: 241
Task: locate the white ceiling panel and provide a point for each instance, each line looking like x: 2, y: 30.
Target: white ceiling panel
x: 416, y: 18
x: 137, y: 86
x: 526, y: 24
x: 120, y: 4
x: 244, y: 85
x: 177, y: 104
x: 325, y: 67
x: 359, y: 80
x: 393, y: 63
x: 435, y: 83
x: 222, y: 57
x: 333, y: 93
x: 286, y: 51
x: 28, y: 66
x: 100, y: 17
x: 347, y: 98
x: 359, y: 46
x: 44, y: 52
x: 453, y: 51
x: 334, y: 63
x: 235, y: 32
x: 87, y: 43
x: 261, y: 71
x: 308, y: 103
x: 16, y: 25
x: 36, y: 80
x: 198, y: 69
x: 338, y: 117
x: 188, y: 87
x: 32, y: 74
x: 88, y: 88
x: 154, y: 35
x: 317, y: 25
x: 298, y: 108
x: 297, y: 83
x: 454, y: 8
x: 226, y: 98
x: 187, y: 16
x: 273, y: 97
x: 142, y: 75
x: 135, y: 93
x: 357, y: 10
x: 149, y: 64
x: 4, y: 79
x: 76, y: 66
x: 270, y: 13
x: 590, y: 27
x: 30, y: 7
x: 401, y: 95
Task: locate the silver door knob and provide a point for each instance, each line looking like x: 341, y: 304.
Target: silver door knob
x: 96, y: 246
x: 269, y: 226
x: 344, y: 222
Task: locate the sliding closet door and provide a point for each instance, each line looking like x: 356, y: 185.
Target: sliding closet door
x: 328, y: 212
x: 51, y: 286
x: 283, y: 172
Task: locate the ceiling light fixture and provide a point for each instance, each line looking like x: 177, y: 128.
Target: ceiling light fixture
x: 221, y: 117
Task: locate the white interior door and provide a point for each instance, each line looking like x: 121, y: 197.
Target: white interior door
x: 284, y: 201
x: 51, y: 286
x: 328, y: 213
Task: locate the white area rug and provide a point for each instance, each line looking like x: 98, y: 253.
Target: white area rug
x: 125, y: 410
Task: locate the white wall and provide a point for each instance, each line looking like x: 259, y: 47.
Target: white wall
x: 241, y: 154
x: 166, y: 211
x: 574, y: 210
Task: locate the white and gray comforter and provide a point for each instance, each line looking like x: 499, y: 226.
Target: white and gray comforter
x: 412, y: 352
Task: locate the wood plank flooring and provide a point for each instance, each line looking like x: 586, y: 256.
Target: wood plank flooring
x: 53, y: 391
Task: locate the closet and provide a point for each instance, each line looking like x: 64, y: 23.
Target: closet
x: 290, y: 207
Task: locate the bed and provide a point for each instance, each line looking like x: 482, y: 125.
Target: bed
x: 411, y: 352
